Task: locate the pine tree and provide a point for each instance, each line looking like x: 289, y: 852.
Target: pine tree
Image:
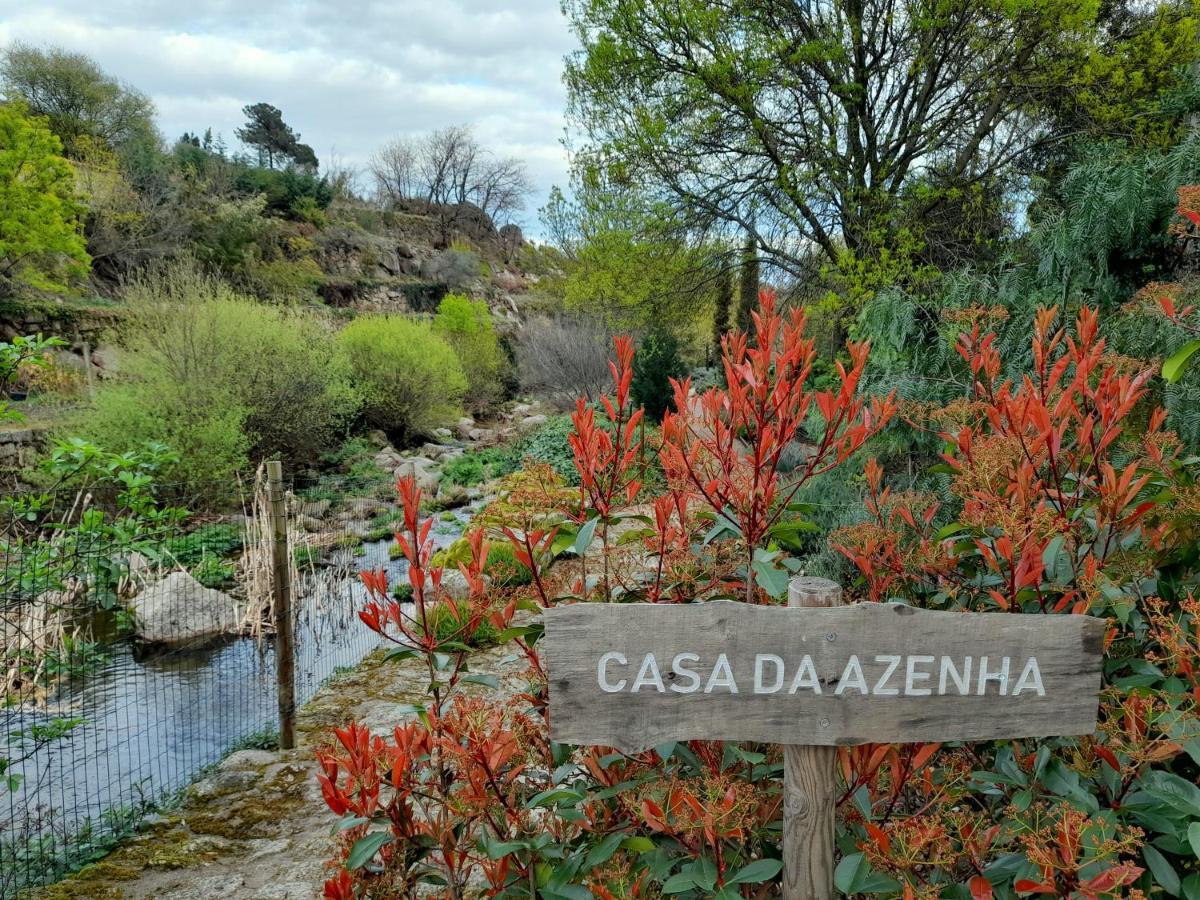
x: 748, y: 286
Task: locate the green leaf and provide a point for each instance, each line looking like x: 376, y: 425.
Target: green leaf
x: 849, y: 872
x: 1164, y: 873
x: 772, y: 580
x: 349, y: 822
x: 637, y: 844
x: 1176, y: 364
x: 1193, y: 834
x: 757, y: 872
x: 583, y: 539
x: 553, y: 796
x: 486, y: 680
x: 365, y: 848
x: 678, y: 883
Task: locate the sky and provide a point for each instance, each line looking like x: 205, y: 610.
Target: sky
x: 347, y: 74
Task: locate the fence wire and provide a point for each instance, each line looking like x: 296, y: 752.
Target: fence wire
x: 135, y: 654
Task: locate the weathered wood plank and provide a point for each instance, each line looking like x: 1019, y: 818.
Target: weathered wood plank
x: 617, y: 676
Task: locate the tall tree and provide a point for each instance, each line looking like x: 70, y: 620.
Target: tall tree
x: 748, y: 284
x: 80, y: 101
x: 40, y: 235
x: 803, y: 121
x: 721, y: 310
x: 276, y: 142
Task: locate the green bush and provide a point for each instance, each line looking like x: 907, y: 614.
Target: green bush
x: 477, y: 466
x: 467, y: 327
x: 408, y: 378
x: 220, y: 379
x: 447, y: 627
x: 503, y: 568
x: 549, y: 445
x: 656, y: 362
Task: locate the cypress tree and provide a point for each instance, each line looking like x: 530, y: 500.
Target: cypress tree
x: 748, y: 286
x: 722, y: 311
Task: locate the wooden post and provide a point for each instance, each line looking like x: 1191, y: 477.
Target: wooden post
x: 87, y: 370
x: 281, y: 605
x: 809, y: 784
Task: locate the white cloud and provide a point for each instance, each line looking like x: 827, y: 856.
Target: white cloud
x: 348, y: 74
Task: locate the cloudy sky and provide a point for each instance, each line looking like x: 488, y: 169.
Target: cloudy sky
x: 348, y: 74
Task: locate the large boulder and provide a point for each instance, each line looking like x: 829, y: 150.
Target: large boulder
x: 179, y: 610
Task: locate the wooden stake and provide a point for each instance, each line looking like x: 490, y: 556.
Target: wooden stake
x: 281, y: 606
x: 809, y: 785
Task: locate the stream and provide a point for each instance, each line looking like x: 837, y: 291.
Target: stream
x: 153, y: 720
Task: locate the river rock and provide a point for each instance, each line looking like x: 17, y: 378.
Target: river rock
x: 454, y: 584
x: 180, y: 610
x: 453, y: 495
x: 481, y: 435
x: 443, y: 433
x: 315, y: 508
x: 531, y: 423
x: 464, y: 426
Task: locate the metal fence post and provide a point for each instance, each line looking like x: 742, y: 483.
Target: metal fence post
x: 809, y: 785
x: 281, y: 606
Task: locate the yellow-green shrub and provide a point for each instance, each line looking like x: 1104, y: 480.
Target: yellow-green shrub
x: 467, y: 326
x: 220, y: 379
x: 408, y: 378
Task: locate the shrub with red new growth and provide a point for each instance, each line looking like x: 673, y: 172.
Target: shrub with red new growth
x: 1066, y: 496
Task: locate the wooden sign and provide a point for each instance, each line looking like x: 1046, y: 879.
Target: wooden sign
x: 633, y: 676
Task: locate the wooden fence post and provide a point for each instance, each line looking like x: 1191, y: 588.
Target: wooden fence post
x: 809, y: 785
x: 281, y: 605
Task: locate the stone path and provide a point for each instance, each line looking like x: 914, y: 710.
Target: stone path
x: 257, y: 828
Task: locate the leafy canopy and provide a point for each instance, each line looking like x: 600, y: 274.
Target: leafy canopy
x: 40, y: 239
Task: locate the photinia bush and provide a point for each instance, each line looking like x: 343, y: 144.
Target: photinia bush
x: 1066, y: 496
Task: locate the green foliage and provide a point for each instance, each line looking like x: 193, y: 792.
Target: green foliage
x: 291, y: 193
x: 723, y: 307
x: 466, y: 325
x: 796, y: 122
x: 40, y: 240
x: 503, y: 568
x: 15, y: 356
x: 274, y: 139
x: 408, y: 378
x: 549, y: 445
x: 79, y: 100
x: 479, y: 466
x: 626, y: 260
x: 748, y: 284
x: 220, y: 379
x: 656, y: 362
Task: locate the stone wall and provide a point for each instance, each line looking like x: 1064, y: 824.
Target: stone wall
x: 19, y: 447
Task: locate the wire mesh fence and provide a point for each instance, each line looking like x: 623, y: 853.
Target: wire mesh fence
x: 137, y: 648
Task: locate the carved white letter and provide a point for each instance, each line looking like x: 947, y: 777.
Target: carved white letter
x: 806, y: 676
x: 1000, y: 677
x: 1031, y: 679
x: 912, y: 676
x: 962, y: 680
x: 681, y: 672
x: 853, y: 669
x: 722, y: 676
x: 777, y: 662
x: 881, y: 691
x: 648, y: 674
x: 601, y: 675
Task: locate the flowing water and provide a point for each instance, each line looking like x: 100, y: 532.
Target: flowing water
x: 152, y: 720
